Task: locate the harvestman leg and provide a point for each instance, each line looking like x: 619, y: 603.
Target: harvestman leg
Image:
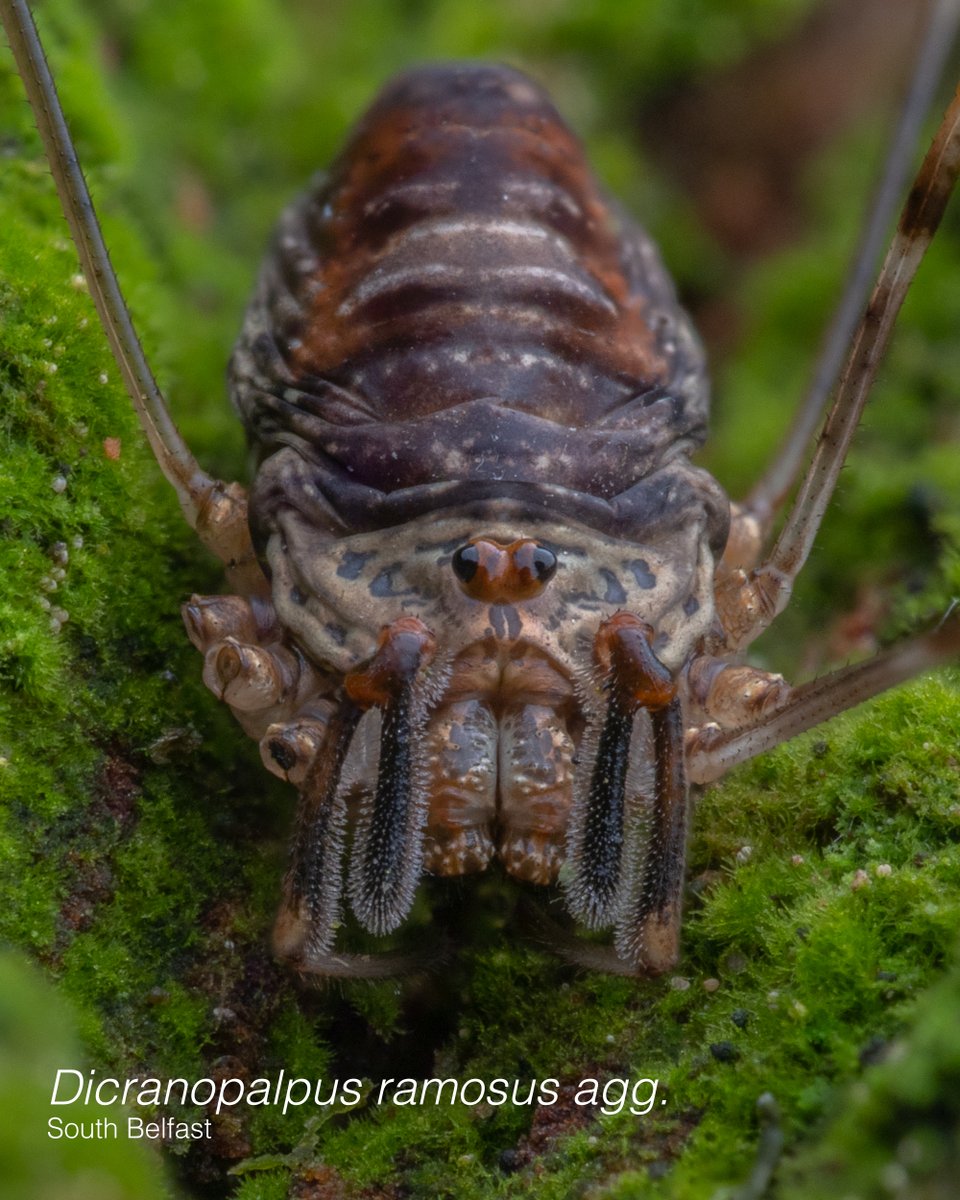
x: 754, y: 518
x: 712, y: 750
x: 749, y: 602
x: 272, y: 689
x: 246, y: 664
x: 640, y: 893
x: 759, y: 710
x: 216, y: 510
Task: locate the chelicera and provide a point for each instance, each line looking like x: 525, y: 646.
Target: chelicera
x: 483, y: 607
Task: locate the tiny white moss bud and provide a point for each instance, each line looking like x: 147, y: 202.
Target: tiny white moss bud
x: 894, y: 1178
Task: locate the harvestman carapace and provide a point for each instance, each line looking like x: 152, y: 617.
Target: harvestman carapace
x: 482, y: 605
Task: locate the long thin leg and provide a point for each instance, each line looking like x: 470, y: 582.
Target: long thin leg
x: 773, y: 488
x: 747, y: 605
x: 711, y: 751
x: 215, y: 510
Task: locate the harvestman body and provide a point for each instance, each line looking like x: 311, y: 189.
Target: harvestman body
x: 484, y: 607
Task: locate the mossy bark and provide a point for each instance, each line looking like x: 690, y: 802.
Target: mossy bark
x: 142, y: 844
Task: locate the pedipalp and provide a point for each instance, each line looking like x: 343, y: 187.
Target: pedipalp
x: 627, y: 851
x: 387, y: 857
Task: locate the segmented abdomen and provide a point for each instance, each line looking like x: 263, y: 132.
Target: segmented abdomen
x: 457, y: 305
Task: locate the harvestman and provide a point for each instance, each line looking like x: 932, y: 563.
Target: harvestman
x: 643, y: 704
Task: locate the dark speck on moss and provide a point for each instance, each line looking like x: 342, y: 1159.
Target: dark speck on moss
x: 725, y: 1052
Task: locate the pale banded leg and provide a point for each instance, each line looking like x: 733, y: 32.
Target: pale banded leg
x: 747, y: 603
x: 712, y: 750
x: 771, y: 491
x: 217, y: 511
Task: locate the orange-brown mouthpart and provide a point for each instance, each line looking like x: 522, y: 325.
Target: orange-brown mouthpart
x: 499, y: 574
x: 623, y: 650
x: 402, y: 649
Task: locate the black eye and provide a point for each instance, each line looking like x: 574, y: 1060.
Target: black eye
x: 544, y: 563
x: 465, y: 562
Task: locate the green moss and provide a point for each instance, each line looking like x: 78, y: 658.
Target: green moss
x: 141, y: 844
x: 895, y: 1132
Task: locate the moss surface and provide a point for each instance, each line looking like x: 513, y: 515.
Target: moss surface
x: 141, y: 843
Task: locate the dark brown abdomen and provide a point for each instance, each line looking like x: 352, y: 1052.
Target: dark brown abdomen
x: 457, y: 302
